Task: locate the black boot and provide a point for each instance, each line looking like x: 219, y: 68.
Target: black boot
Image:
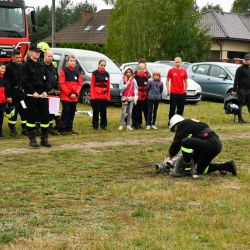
x: 52, y: 131
x: 44, y: 138
x: 38, y: 129
x: 240, y: 118
x: 13, y: 131
x: 32, y: 137
x: 228, y: 166
x: 24, y: 131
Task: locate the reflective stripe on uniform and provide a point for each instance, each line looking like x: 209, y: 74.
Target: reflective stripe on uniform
x: 44, y: 125
x: 206, y: 170
x: 23, y: 122
x: 11, y: 122
x: 187, y: 150
x: 31, y: 125
x: 57, y: 114
x: 51, y: 122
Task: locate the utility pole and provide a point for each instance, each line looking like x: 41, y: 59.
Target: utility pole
x: 53, y: 23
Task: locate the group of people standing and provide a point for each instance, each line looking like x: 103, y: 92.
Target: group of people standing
x: 141, y: 96
x: 27, y: 86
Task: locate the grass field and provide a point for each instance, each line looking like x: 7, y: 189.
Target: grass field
x: 99, y: 190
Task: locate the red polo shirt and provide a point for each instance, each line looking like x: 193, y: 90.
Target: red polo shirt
x: 178, y: 77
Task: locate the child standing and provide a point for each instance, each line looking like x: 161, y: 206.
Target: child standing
x: 2, y: 97
x: 154, y: 91
x: 70, y: 86
x: 100, y: 95
x: 141, y: 77
x: 129, y: 96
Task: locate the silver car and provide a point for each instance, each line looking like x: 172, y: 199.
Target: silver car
x: 216, y: 78
x: 193, y: 91
x: 87, y: 61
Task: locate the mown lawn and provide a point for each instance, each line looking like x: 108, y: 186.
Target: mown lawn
x: 99, y: 190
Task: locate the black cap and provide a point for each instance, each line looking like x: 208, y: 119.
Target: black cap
x: 247, y: 57
x: 34, y: 47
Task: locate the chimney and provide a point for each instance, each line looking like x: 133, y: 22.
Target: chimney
x: 87, y: 16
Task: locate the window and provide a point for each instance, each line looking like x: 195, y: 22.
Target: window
x: 56, y: 58
x: 88, y: 28
x: 202, y: 69
x: 217, y: 71
x: 100, y: 28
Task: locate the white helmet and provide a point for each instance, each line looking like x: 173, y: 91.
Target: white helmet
x: 174, y: 120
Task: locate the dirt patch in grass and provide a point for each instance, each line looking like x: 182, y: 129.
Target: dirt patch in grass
x: 88, y: 146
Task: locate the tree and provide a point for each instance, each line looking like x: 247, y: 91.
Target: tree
x: 66, y: 13
x: 209, y: 7
x: 241, y: 6
x: 159, y: 29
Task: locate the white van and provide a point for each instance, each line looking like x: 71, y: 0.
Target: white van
x: 87, y: 61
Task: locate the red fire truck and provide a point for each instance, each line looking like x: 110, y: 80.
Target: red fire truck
x: 14, y: 28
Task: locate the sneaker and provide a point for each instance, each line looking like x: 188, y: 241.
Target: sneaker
x: 120, y: 127
x: 148, y: 127
x: 129, y: 128
x: 154, y: 127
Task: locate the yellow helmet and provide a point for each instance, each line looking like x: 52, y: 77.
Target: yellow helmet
x: 43, y: 46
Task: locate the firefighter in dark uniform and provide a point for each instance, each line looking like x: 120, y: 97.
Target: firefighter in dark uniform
x: 53, y: 80
x: 14, y: 92
x: 141, y: 77
x: 35, y: 84
x: 100, y: 95
x: 198, y: 144
x: 242, y: 86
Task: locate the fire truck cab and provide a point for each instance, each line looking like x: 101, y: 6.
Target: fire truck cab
x: 14, y: 28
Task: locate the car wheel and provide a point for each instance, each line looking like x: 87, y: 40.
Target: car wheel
x: 84, y: 96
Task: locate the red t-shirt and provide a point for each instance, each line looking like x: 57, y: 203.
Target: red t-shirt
x: 178, y: 77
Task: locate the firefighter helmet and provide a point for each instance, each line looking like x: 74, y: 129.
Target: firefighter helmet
x: 232, y: 104
x: 174, y: 120
x: 9, y: 111
x: 43, y: 46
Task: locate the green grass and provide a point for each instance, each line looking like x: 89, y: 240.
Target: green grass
x: 99, y: 190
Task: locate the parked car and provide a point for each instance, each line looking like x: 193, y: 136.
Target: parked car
x: 216, y: 78
x: 193, y: 91
x: 87, y: 61
x: 172, y: 63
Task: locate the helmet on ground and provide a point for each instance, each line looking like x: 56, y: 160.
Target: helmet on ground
x: 43, y: 46
x: 174, y: 120
x: 9, y: 111
x: 232, y: 104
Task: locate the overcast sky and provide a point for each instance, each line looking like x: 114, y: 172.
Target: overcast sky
x: 225, y: 4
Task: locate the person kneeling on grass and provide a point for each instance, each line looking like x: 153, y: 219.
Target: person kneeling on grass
x: 199, y: 145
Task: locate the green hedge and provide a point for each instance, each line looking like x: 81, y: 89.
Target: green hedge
x: 87, y: 46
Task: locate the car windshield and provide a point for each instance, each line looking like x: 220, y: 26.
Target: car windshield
x: 12, y: 22
x: 162, y: 68
x: 232, y: 68
x: 91, y: 64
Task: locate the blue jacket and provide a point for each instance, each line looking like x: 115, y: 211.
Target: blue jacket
x: 154, y: 90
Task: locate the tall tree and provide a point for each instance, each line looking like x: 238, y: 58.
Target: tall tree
x: 159, y: 29
x: 209, y: 7
x: 241, y: 6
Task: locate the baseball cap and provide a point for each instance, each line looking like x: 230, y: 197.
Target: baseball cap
x: 247, y: 57
x: 34, y: 47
